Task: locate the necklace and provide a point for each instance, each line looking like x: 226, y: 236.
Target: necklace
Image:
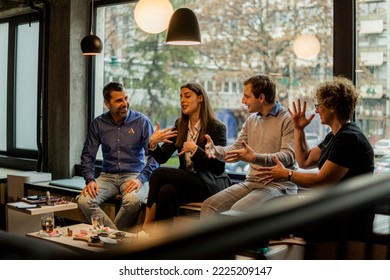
x: 193, y: 136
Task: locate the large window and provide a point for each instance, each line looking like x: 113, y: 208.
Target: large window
x: 3, y: 86
x: 372, y: 72
x: 18, y: 86
x: 239, y: 38
x: 26, y: 86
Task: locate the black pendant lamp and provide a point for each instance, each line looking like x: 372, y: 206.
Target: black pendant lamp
x: 91, y: 44
x: 183, y: 28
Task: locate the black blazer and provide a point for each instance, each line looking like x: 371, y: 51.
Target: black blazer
x: 211, y: 171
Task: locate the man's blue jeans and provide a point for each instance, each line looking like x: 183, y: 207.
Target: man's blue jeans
x: 109, y: 186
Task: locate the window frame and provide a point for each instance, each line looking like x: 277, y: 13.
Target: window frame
x: 344, y: 60
x: 10, y: 157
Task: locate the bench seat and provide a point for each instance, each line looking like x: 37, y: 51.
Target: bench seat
x: 194, y: 206
x: 69, y: 189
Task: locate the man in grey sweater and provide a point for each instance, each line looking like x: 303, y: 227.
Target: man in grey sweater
x: 269, y: 132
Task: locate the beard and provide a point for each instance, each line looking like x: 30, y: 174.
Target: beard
x: 122, y: 111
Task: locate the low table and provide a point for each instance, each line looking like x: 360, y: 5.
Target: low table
x: 20, y: 220
x: 111, y: 206
x: 80, y: 246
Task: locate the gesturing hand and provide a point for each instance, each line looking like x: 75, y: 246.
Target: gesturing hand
x: 246, y: 154
x: 161, y: 135
x: 269, y: 174
x: 209, y: 148
x: 188, y: 147
x: 298, y: 115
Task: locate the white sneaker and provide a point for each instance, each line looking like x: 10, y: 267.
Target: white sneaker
x: 143, y: 235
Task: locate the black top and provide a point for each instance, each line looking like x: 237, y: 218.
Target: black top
x: 349, y: 148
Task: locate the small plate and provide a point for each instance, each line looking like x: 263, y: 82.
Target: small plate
x: 55, y: 233
x: 103, y: 230
x: 119, y: 234
x: 108, y: 240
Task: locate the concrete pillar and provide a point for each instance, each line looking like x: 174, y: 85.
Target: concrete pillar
x: 67, y: 85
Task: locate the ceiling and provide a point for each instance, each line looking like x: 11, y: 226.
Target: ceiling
x: 12, y: 7
x: 10, y: 4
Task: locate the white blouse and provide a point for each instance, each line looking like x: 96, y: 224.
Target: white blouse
x: 191, y: 135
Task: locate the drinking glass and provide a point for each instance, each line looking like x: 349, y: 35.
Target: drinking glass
x: 97, y: 221
x: 47, y: 223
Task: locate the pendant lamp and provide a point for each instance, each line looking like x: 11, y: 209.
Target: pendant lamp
x: 306, y: 47
x: 152, y: 16
x: 91, y: 44
x: 183, y: 28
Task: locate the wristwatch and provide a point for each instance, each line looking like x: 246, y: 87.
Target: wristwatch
x: 290, y: 173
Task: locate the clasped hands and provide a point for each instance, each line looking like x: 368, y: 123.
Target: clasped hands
x: 266, y: 174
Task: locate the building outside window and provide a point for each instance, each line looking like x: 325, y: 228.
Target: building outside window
x: 372, y: 70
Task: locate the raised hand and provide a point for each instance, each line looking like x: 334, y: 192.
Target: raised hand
x: 245, y: 154
x: 209, y: 148
x: 298, y: 115
x: 159, y: 136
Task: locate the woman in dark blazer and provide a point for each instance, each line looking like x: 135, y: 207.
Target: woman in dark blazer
x: 197, y: 177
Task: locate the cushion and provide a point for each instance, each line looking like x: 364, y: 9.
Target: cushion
x: 77, y: 183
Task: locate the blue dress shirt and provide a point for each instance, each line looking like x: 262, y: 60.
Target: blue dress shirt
x: 273, y: 112
x: 124, y: 146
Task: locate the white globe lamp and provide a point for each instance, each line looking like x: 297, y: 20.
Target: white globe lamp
x: 153, y: 16
x: 306, y: 47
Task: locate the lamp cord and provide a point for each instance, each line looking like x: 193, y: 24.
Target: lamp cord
x: 92, y: 8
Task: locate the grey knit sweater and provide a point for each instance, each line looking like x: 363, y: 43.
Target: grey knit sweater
x: 268, y: 136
